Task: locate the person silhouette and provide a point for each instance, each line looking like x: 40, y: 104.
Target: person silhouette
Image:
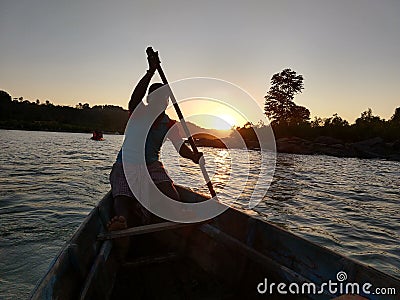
x: 127, y: 209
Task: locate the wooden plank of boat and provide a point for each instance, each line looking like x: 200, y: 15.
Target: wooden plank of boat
x: 235, y: 250
x: 151, y: 228
x: 151, y: 260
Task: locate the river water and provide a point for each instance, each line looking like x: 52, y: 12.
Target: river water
x: 50, y: 181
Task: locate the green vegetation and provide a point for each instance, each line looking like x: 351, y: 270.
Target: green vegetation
x: 369, y: 137
x: 288, y: 118
x: 24, y: 114
x: 279, y: 105
x: 367, y: 126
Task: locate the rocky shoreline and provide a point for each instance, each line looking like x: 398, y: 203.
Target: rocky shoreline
x: 324, y: 145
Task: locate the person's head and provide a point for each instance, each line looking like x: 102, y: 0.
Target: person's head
x: 158, y: 96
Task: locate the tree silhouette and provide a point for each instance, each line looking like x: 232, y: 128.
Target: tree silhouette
x: 335, y: 121
x: 5, y: 103
x: 317, y: 122
x: 5, y: 97
x: 298, y: 115
x: 395, y: 119
x: 248, y: 134
x: 279, y: 104
x: 367, y: 118
x: 20, y: 113
x: 23, y: 114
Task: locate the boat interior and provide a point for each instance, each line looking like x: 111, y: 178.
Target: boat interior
x: 227, y: 257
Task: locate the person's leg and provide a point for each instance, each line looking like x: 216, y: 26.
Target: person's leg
x: 122, y: 217
x: 168, y: 189
x: 162, y: 180
x: 125, y: 206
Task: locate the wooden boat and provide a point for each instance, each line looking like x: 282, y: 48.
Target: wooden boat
x: 232, y: 256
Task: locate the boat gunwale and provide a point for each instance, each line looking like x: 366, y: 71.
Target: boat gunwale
x: 43, y: 281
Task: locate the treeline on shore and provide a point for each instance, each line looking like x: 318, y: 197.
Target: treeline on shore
x: 19, y: 113
x: 365, y: 127
x: 289, y: 119
x: 369, y: 136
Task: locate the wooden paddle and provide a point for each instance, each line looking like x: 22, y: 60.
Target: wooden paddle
x: 150, y: 52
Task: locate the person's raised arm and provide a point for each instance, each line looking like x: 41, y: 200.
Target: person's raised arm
x: 141, y: 88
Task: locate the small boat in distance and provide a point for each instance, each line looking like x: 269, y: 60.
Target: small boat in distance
x: 97, y: 135
x: 233, y: 256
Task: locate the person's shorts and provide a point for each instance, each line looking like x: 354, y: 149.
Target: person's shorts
x: 119, y: 185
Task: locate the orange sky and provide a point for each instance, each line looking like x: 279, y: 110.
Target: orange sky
x: 93, y: 51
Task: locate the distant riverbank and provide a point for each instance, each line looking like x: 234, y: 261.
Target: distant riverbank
x: 324, y: 145
x: 370, y: 148
x: 369, y: 137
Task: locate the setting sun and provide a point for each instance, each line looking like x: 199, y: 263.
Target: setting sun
x: 211, y: 114
x: 224, y: 122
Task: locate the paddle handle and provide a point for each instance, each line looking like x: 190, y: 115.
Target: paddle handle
x: 151, y: 52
